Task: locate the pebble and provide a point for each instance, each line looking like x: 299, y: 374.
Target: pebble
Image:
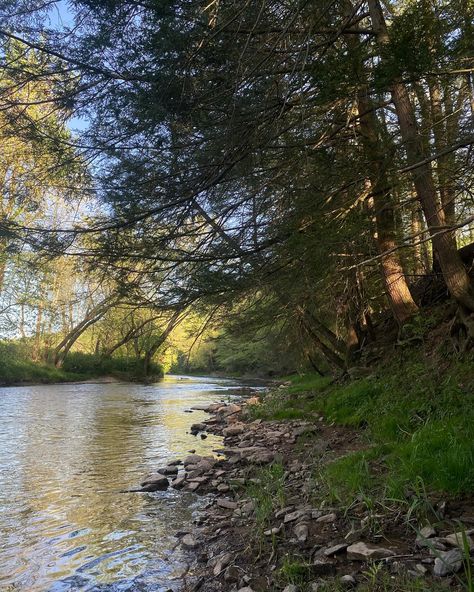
x: 189, y: 541
x: 226, y: 503
x: 362, y: 551
x: 448, y: 563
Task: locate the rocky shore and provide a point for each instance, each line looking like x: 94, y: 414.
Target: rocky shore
x: 268, y: 525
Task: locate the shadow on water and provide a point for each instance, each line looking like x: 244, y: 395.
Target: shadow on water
x: 65, y: 453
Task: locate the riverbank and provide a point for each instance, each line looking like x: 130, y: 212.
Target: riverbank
x: 77, y: 368
x: 301, y: 502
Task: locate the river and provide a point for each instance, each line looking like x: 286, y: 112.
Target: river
x: 66, y: 451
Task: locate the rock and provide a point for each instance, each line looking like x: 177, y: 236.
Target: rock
x: 316, y: 586
x: 189, y: 541
x: 203, y: 436
x: 192, y: 459
x: 246, y: 589
x: 290, y: 588
x: 226, y: 503
x: 457, y: 539
x: 322, y: 567
x: 223, y: 488
x: 197, y: 427
x: 155, y: 482
x: 234, y: 430
x: 348, y: 581
x: 448, y: 563
x: 301, y: 532
x: 422, y: 537
x: 327, y: 518
x: 273, y: 531
x: 178, y: 483
x: 427, y: 532
x: 221, y: 563
x: 432, y: 543
x: 335, y: 549
x: 255, y: 454
x: 361, y: 552
x: 168, y: 470
x: 292, y: 516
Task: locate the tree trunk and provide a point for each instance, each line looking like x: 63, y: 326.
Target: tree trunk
x: 401, y: 302
x: 454, y: 272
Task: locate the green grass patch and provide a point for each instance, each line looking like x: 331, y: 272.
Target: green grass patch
x: 267, y: 492
x: 417, y: 418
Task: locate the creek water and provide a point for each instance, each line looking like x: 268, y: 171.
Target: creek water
x: 66, y: 451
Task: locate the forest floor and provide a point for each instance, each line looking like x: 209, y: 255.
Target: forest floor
x: 328, y: 486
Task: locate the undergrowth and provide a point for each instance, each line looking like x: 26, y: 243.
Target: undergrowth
x: 416, y: 415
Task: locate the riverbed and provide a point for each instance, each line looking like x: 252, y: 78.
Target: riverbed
x: 66, y: 452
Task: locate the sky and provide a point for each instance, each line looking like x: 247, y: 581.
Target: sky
x: 60, y: 17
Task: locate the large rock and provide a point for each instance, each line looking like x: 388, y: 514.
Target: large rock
x: 168, y: 470
x: 192, y: 459
x: 361, y: 552
x: 301, y: 532
x: 198, y: 427
x: 229, y: 409
x: 234, y: 430
x: 155, y: 482
x: 448, y: 563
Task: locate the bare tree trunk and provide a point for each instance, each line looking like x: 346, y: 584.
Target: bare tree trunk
x: 454, y: 272
x: 95, y: 314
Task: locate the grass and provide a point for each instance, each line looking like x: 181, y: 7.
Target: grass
x: 16, y: 367
x: 18, y: 371
x: 381, y: 581
x: 267, y: 491
x: 417, y: 419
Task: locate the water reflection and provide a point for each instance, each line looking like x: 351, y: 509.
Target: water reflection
x: 65, y: 453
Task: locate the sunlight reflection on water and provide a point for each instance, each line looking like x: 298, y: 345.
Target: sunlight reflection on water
x: 65, y: 453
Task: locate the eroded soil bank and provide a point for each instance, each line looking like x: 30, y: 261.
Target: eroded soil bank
x: 270, y: 526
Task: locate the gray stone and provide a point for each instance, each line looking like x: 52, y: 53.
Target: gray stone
x: 323, y: 566
x: 246, y: 589
x: 335, y: 549
x: 226, y: 503
x: 168, y: 470
x: 273, y: 531
x: 301, y: 532
x: 457, y: 539
x: 221, y: 563
x: 361, y: 551
x: 155, y: 482
x: 292, y: 516
x: 178, y: 483
x: 348, y: 581
x: 290, y: 588
x: 327, y: 518
x: 189, y: 541
x: 448, y: 563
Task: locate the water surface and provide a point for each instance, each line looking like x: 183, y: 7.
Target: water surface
x: 65, y: 453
